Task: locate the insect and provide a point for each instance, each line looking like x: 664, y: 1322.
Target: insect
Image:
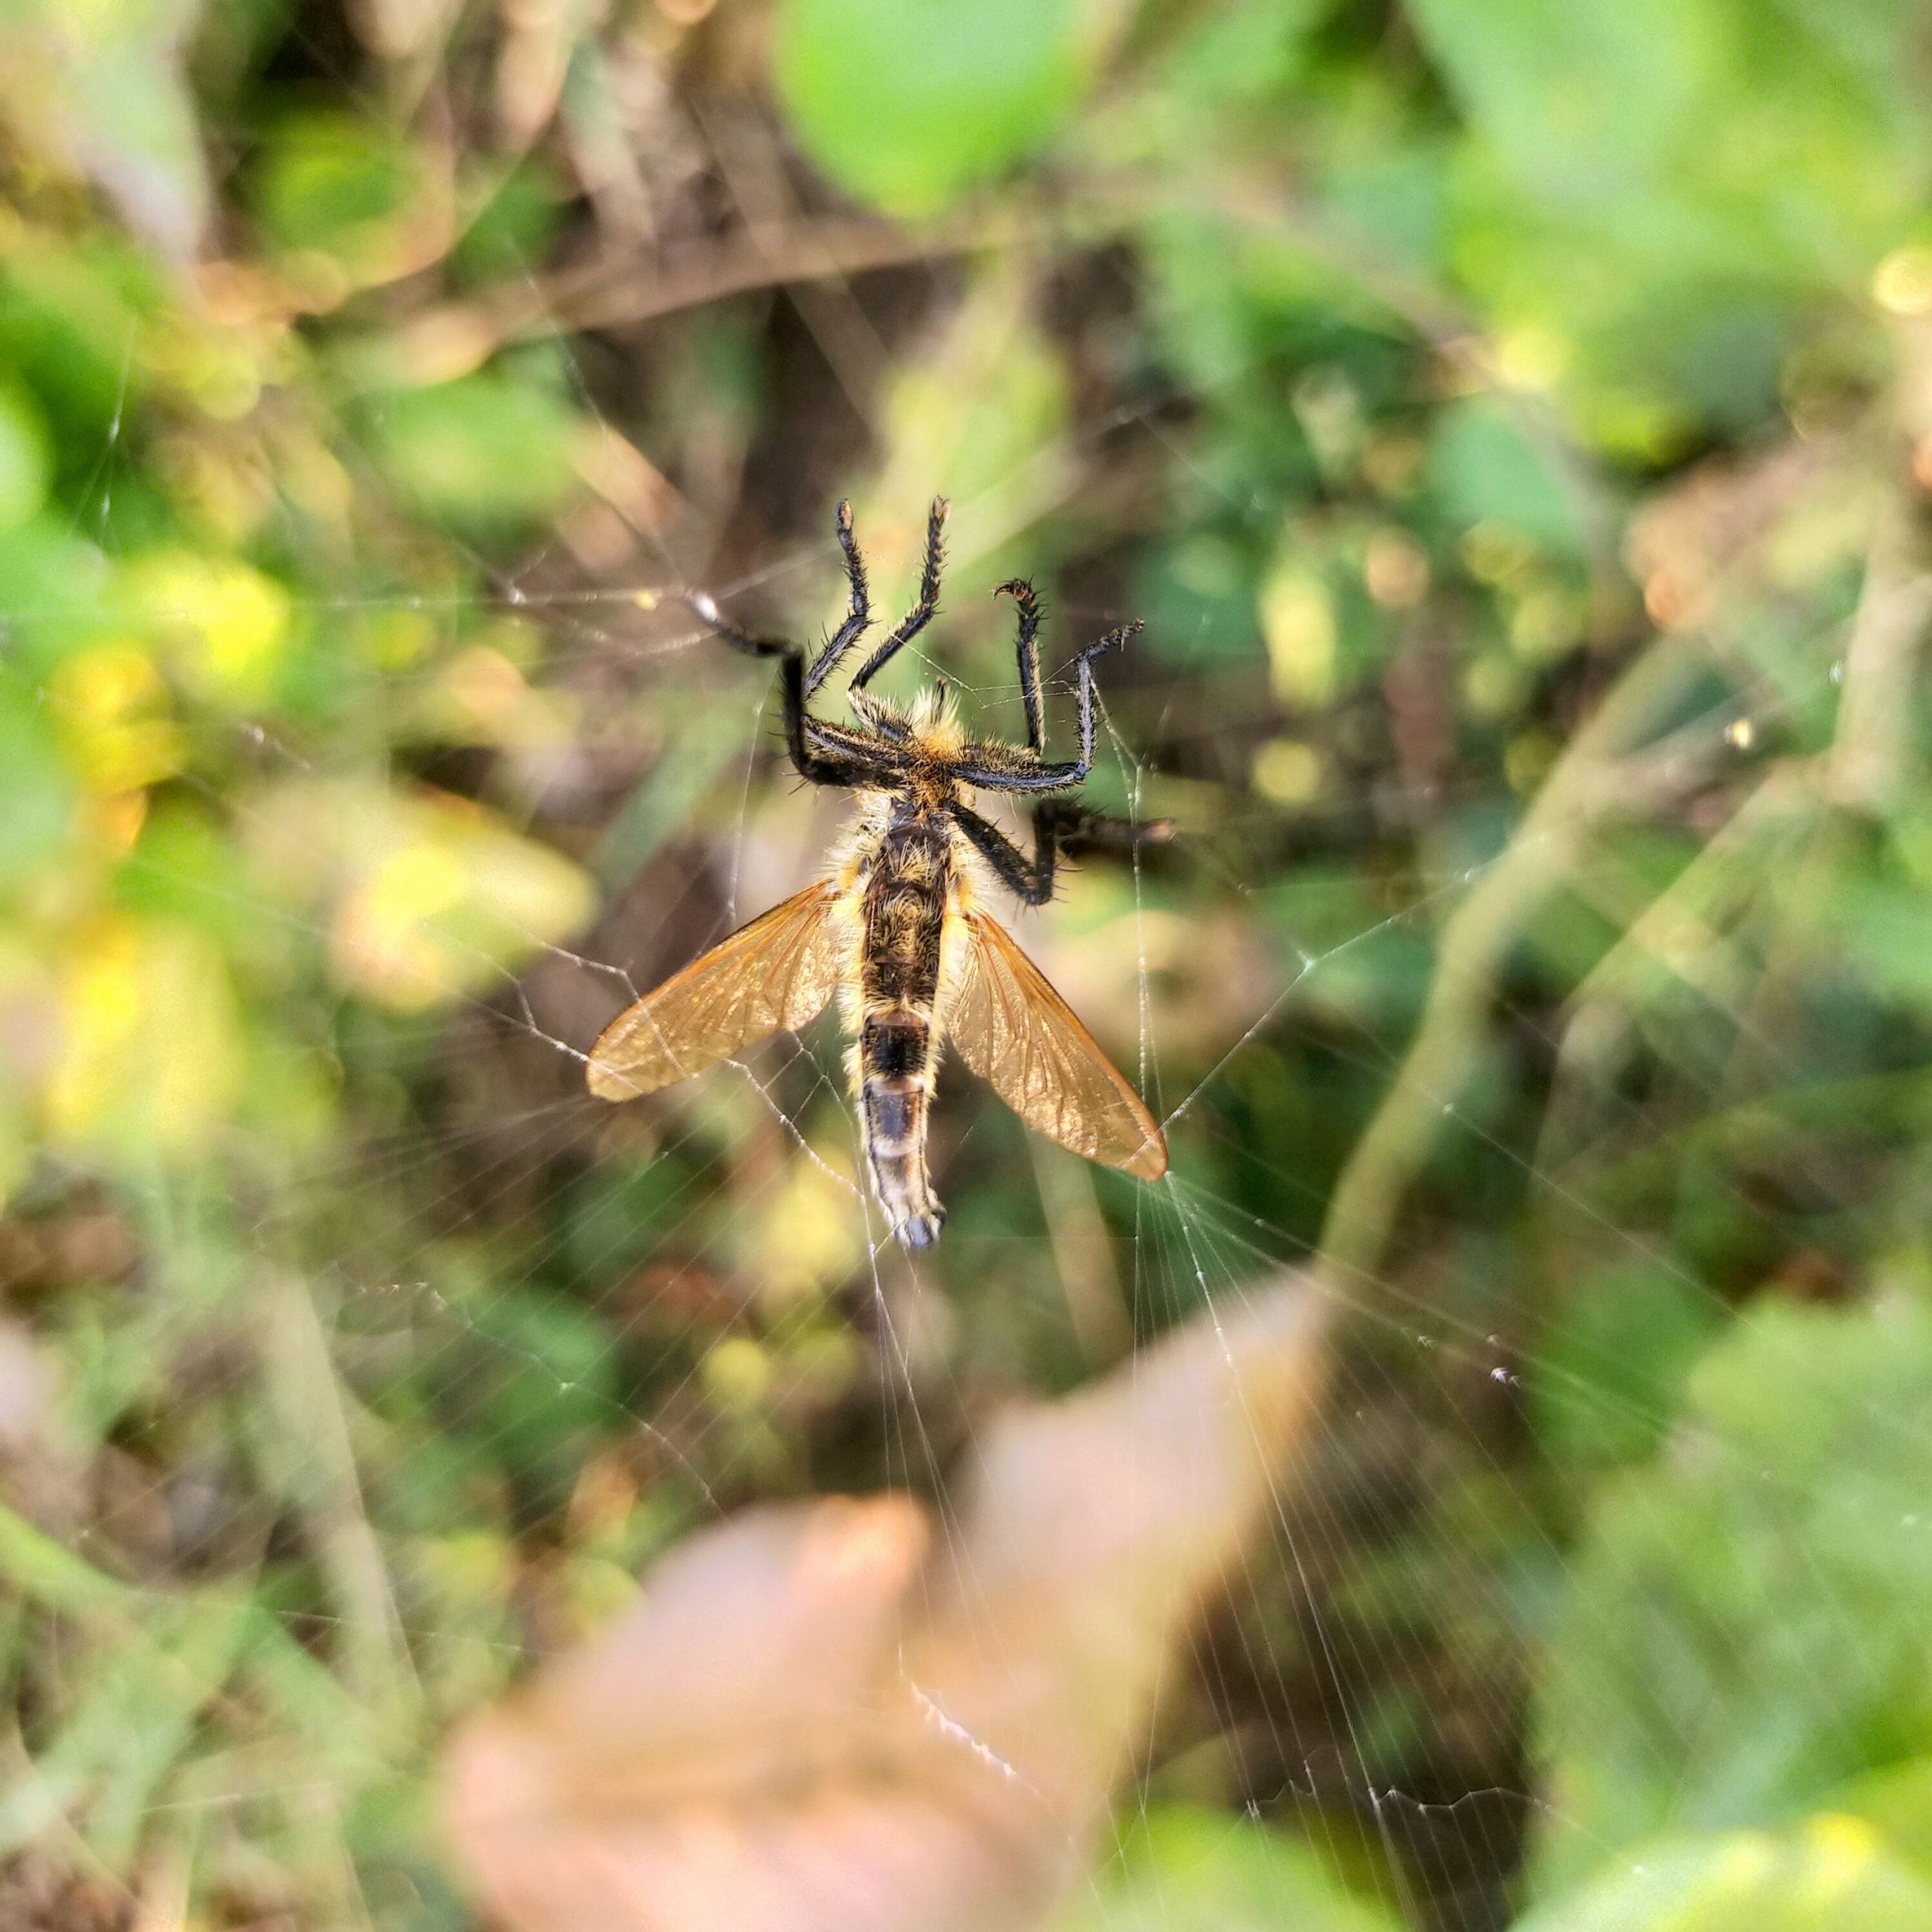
x: 896, y: 924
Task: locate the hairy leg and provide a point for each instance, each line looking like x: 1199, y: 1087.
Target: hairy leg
x: 915, y: 620
x: 1028, y: 650
x: 982, y: 765
x: 858, y: 612
x: 815, y: 767
x: 1059, y: 825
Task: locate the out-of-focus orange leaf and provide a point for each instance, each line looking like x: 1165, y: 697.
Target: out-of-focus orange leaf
x: 839, y: 1717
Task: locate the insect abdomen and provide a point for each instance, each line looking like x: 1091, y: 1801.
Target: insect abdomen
x: 895, y: 1058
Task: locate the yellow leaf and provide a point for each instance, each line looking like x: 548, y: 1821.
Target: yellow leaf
x: 1298, y: 622
x: 222, y: 624
x: 427, y: 896
x: 105, y: 682
x: 812, y: 1238
x: 149, y: 1057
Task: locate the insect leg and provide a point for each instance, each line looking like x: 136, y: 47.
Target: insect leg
x: 813, y: 766
x: 858, y: 611
x: 1028, y: 650
x: 999, y: 777
x: 1059, y: 825
x: 915, y: 620
x: 1032, y: 879
x: 1078, y: 827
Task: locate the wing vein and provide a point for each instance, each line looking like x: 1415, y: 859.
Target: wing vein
x: 1019, y: 1035
x: 772, y: 975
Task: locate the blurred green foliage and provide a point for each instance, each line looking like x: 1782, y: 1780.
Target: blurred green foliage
x: 1708, y: 1678
x: 1830, y: 1872
x: 907, y: 106
x: 1191, y: 1870
x: 1414, y: 371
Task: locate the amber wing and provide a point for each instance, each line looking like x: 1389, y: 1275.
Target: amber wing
x: 1017, y: 1033
x: 776, y: 973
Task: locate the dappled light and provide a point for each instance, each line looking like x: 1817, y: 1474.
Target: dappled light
x: 1215, y: 1222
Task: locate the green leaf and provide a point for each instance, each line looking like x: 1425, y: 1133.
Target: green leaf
x: 1674, y: 269
x: 1830, y: 1874
x: 1583, y: 100
x: 1745, y: 1629
x: 1393, y: 197
x: 545, y: 1377
x: 1607, y: 1374
x: 327, y: 180
x: 37, y: 793
x: 486, y: 455
x: 1898, y: 1801
x: 1483, y: 468
x: 512, y: 231
x: 34, y: 1563
x: 70, y: 329
x: 53, y: 593
x: 1186, y: 1869
x: 24, y: 463
x: 135, y: 1721
x: 908, y: 103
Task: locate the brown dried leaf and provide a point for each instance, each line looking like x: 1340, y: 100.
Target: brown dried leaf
x: 823, y: 1718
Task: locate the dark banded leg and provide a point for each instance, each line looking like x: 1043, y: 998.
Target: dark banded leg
x: 915, y: 620
x: 816, y: 767
x: 992, y: 774
x: 1026, y: 648
x: 858, y: 611
x: 1058, y: 824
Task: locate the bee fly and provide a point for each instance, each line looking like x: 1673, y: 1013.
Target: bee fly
x: 896, y: 926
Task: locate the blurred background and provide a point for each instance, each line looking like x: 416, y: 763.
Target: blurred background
x: 1514, y: 423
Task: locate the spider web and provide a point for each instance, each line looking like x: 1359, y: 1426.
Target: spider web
x: 1300, y: 1708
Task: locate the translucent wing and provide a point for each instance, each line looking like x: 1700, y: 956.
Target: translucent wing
x: 1017, y: 1033
x: 776, y: 973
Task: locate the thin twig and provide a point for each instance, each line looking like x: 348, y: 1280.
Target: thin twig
x: 1873, y: 748
x: 1589, y: 784
x: 606, y: 294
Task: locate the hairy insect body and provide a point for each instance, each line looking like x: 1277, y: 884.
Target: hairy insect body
x: 895, y: 927
x: 896, y: 1019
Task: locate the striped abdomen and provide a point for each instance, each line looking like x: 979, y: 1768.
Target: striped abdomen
x: 896, y: 1057
x: 896, y: 1051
